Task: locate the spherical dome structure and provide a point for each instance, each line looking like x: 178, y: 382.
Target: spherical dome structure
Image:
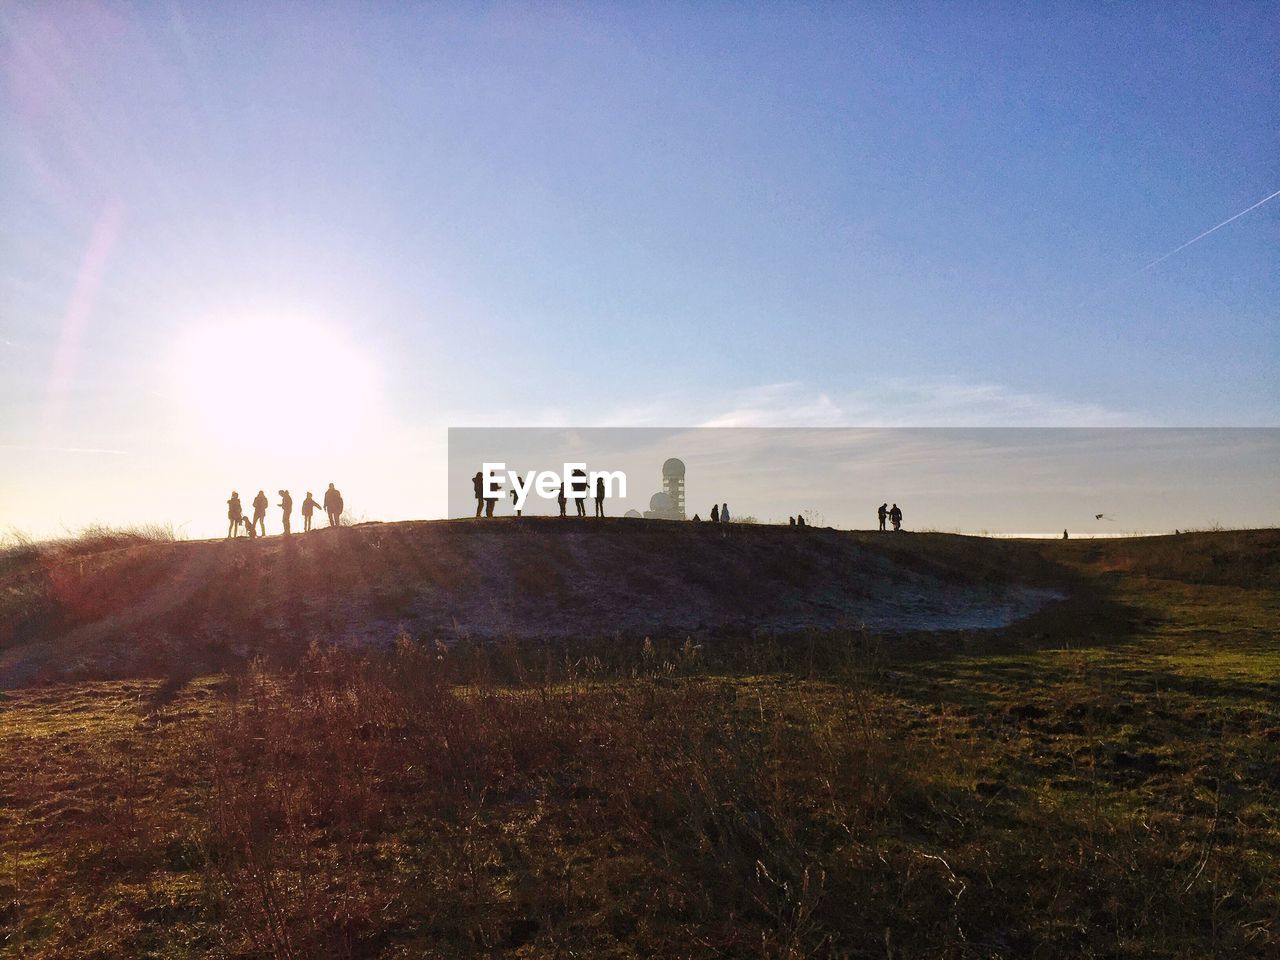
x: 673, y: 468
x: 633, y: 515
x: 661, y: 503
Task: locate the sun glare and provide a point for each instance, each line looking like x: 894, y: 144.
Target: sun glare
x: 272, y: 384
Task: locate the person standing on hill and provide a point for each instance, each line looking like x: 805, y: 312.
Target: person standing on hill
x: 308, y: 507
x: 882, y: 513
x: 489, y: 502
x: 234, y: 515
x: 260, y: 504
x: 515, y: 497
x: 477, y: 485
x: 333, y: 505
x: 715, y: 513
x: 286, y: 510
x: 562, y: 499
x: 600, y: 497
x: 724, y: 513
x: 895, y: 514
x: 800, y: 521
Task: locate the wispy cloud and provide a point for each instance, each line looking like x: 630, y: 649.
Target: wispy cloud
x: 888, y: 402
x: 907, y: 402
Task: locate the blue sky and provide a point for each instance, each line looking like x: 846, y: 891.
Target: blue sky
x: 614, y: 214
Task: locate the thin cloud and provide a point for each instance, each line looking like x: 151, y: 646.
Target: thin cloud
x: 889, y: 402
x: 902, y: 402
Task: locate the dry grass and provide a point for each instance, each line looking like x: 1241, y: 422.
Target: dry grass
x: 1112, y: 795
x: 16, y: 546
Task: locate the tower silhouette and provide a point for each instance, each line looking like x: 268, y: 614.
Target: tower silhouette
x: 673, y: 485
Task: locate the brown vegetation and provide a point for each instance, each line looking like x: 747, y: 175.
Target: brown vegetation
x: 1114, y: 796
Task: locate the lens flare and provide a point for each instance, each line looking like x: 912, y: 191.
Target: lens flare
x: 273, y: 385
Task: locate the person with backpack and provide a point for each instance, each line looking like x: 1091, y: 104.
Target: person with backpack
x: 895, y: 515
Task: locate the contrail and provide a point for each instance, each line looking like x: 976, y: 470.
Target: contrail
x: 1203, y: 235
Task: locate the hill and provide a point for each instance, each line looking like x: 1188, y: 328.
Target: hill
x: 108, y: 608
x: 1098, y: 780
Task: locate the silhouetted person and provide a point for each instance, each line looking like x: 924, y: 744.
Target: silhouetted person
x: 599, y: 496
x: 562, y: 499
x: 308, y: 508
x: 895, y: 515
x: 333, y: 505
x: 715, y: 513
x: 515, y: 497
x: 1064, y: 535
x: 580, y: 492
x: 234, y: 515
x: 477, y: 483
x: 286, y: 510
x: 800, y: 522
x: 489, y: 504
x: 724, y: 513
x: 260, y: 504
x: 791, y: 521
x: 883, y: 513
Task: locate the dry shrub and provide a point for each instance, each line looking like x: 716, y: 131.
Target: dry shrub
x: 369, y: 796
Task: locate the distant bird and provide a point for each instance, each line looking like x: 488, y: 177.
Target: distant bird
x: 1103, y: 516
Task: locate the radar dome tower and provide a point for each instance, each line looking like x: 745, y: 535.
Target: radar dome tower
x: 673, y: 485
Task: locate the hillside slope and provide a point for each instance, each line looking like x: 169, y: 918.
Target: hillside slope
x: 154, y: 606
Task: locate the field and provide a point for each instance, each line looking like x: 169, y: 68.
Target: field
x: 182, y: 775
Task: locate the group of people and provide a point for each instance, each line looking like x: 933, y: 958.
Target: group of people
x: 257, y: 524
x: 719, y: 514
x: 485, y: 505
x: 892, y: 514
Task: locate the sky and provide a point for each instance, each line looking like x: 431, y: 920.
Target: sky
x: 263, y: 245
x: 1102, y: 481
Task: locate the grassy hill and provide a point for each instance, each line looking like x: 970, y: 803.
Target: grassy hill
x: 1097, y: 779
x: 117, y: 608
